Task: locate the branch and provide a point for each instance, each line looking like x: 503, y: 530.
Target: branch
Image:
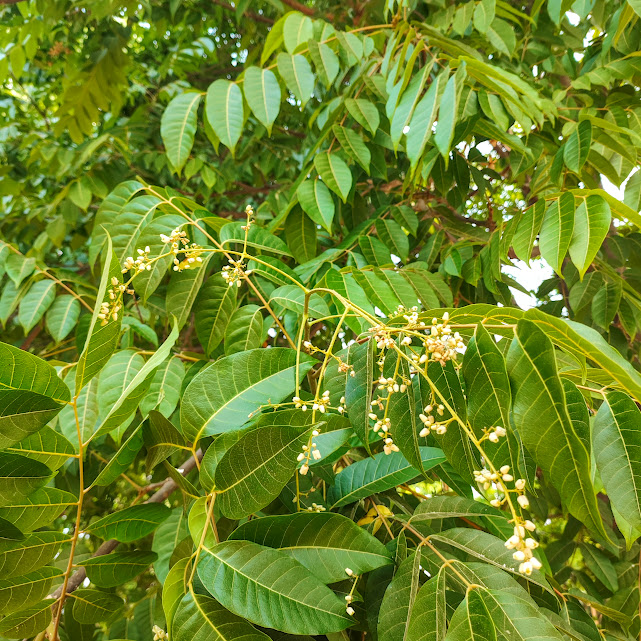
x: 299, y: 7
x: 168, y: 487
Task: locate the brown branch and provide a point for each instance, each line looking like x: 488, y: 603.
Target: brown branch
x: 254, y: 16
x: 168, y: 487
x: 299, y: 7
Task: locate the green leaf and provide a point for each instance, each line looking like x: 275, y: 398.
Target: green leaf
x: 600, y: 566
x: 448, y: 111
x: 293, y: 297
x: 9, y: 532
x: 201, y: 618
x: 174, y: 588
x: 542, y: 420
x: 577, y: 147
x: 326, y: 62
x: 164, y: 391
x: 352, y: 144
x: 166, y: 539
x: 244, y: 330
x: 22, y: 557
x: 224, y: 112
x: 484, y: 15
x: 324, y: 543
x: 182, y: 290
x: 527, y: 230
x: 358, y: 389
x: 94, y: 606
x: 130, y: 524
x: 301, y: 235
x: 427, y: 620
x: 47, y: 446
x: 471, y: 620
x: 395, y: 239
x: 487, y: 387
x: 591, y: 225
x: 18, y: 267
x: 617, y: 450
x: 335, y: 173
x: 585, y: 341
x: 28, y: 372
x: 22, y: 413
x: 27, y: 622
x: 406, y: 105
x: 214, y: 306
x: 556, y: 231
x: 37, y: 509
x: 102, y: 340
x: 128, y: 226
x: 121, y: 460
x: 178, y: 127
x: 247, y: 578
x: 111, y: 570
x: 364, y: 113
x: 21, y: 592
x: 161, y: 438
x: 488, y: 549
x: 297, y: 29
x: 298, y: 76
x: 378, y: 474
x: 582, y: 292
x: 423, y: 118
x: 262, y: 93
x: 399, y: 599
x: 62, y: 316
x: 605, y: 304
x: 254, y: 470
x: 35, y: 303
x: 20, y: 477
x: 220, y: 398
x: 317, y: 202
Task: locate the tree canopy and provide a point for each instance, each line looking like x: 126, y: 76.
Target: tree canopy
x: 262, y: 372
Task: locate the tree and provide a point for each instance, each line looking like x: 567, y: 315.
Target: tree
x: 262, y: 372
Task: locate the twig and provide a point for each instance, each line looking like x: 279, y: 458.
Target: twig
x: 168, y: 487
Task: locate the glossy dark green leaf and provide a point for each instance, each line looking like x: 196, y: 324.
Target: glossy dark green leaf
x: 542, y: 420
x: 221, y: 398
x: 130, y: 524
x: 324, y: 543
x: 377, y: 474
x: 111, y: 570
x: 161, y: 439
x: 617, y: 450
x: 201, y: 618
x: 254, y: 470
x: 214, y: 306
x: 38, y: 509
x: 23, y: 591
x: 20, y: 477
x: 22, y: 557
x: 577, y: 147
x: 247, y: 579
x: 94, y: 606
x: 556, y: 230
x: 27, y: 622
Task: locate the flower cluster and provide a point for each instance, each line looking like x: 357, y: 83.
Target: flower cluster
x: 109, y: 309
x: 314, y: 507
x: 235, y: 272
x: 140, y: 264
x: 441, y: 343
x: 523, y: 546
x: 382, y: 427
x: 493, y: 434
x: 177, y: 239
x: 309, y: 452
x: 383, y: 337
x: 350, y: 597
x: 179, y: 244
x: 159, y: 633
x: 322, y: 403
x: 485, y: 477
x: 430, y: 423
x: 391, y: 385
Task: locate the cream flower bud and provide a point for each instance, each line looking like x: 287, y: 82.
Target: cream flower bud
x: 518, y: 556
x: 505, y: 469
x: 350, y: 611
x: 523, y: 501
x: 519, y: 484
x: 529, y: 526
